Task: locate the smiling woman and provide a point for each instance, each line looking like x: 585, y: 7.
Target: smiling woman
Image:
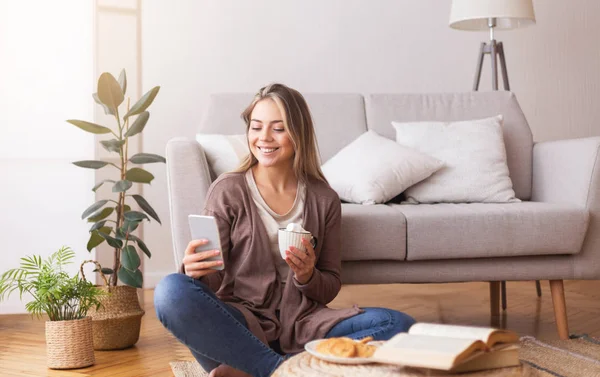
x: 269, y: 302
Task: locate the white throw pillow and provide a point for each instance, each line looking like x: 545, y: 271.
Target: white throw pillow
x: 373, y: 169
x: 223, y: 152
x: 475, y: 158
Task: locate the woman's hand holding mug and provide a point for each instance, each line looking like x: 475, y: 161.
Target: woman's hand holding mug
x: 302, y: 263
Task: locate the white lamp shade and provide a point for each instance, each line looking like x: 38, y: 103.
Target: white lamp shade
x: 474, y: 14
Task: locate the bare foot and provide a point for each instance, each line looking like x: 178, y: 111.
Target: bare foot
x: 225, y: 370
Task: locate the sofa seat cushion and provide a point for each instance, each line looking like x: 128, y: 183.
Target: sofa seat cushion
x: 485, y: 230
x: 372, y: 232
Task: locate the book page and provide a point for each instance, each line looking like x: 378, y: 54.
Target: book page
x: 452, y: 331
x: 426, y: 351
x: 507, y: 357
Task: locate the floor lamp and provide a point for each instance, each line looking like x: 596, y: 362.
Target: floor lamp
x: 489, y: 15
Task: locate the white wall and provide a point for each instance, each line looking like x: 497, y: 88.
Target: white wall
x: 46, y: 77
x: 192, y: 48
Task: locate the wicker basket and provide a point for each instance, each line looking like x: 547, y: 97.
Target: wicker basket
x: 69, y: 344
x: 116, y: 325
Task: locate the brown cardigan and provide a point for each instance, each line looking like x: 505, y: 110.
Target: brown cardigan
x: 250, y: 281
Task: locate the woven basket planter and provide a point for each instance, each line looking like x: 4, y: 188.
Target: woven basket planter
x: 69, y: 344
x: 116, y: 325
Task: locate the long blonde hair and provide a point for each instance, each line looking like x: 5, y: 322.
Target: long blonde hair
x: 298, y: 124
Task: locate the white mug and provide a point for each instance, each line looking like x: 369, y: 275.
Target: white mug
x: 289, y: 238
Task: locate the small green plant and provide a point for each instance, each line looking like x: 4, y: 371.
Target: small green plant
x: 61, y: 297
x: 113, y: 220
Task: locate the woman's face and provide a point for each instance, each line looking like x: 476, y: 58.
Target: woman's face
x: 269, y: 141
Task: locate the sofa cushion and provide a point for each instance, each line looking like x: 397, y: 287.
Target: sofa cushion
x: 372, y: 232
x: 224, y: 153
x: 478, y: 230
x: 374, y: 169
x: 474, y: 156
x: 382, y: 109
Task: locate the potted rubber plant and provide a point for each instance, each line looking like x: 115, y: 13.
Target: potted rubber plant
x: 65, y: 300
x: 117, y: 324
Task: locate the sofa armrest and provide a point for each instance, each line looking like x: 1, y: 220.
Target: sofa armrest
x: 188, y: 180
x: 567, y: 171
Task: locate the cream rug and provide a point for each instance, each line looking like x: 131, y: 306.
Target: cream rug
x: 577, y: 357
x: 187, y: 369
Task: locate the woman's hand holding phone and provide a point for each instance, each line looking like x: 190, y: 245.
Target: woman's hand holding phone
x: 195, y: 264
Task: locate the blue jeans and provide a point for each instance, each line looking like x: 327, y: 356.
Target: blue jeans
x: 217, y: 333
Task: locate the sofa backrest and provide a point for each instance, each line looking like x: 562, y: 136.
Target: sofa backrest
x: 382, y: 109
x: 339, y: 118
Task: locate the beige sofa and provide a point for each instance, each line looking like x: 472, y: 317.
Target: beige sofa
x: 553, y: 234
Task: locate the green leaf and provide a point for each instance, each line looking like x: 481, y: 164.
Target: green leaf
x: 105, y: 229
x: 123, y: 81
x: 93, y: 208
x: 122, y: 186
x: 130, y: 258
x: 144, y: 248
x: 138, y: 125
x: 111, y: 241
x: 64, y: 255
x: 105, y: 271
x: 101, y: 183
x: 90, y: 127
x: 109, y: 91
x: 107, y: 109
x: 146, y: 207
x: 135, y: 216
x: 130, y: 278
x: 94, y: 240
x: 113, y: 145
x: 143, y: 103
x: 130, y: 226
x: 146, y: 158
x: 91, y: 164
x: 100, y: 215
x: 139, y: 175
x: 97, y: 225
x: 141, y: 245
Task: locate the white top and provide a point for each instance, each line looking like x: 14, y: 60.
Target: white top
x: 274, y: 221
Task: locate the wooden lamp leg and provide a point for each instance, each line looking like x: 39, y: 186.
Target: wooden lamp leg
x: 560, y: 308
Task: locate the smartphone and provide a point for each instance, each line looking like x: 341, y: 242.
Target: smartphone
x: 205, y: 227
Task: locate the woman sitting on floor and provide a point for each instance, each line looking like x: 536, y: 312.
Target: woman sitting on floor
x: 245, y: 319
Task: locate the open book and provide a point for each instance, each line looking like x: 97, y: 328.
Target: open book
x: 452, y: 348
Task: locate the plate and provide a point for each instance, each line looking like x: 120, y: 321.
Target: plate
x: 311, y: 347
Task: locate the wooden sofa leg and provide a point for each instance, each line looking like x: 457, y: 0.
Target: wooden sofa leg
x: 560, y: 308
x: 495, y: 298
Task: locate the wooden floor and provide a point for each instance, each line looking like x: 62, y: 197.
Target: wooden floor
x: 22, y: 347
